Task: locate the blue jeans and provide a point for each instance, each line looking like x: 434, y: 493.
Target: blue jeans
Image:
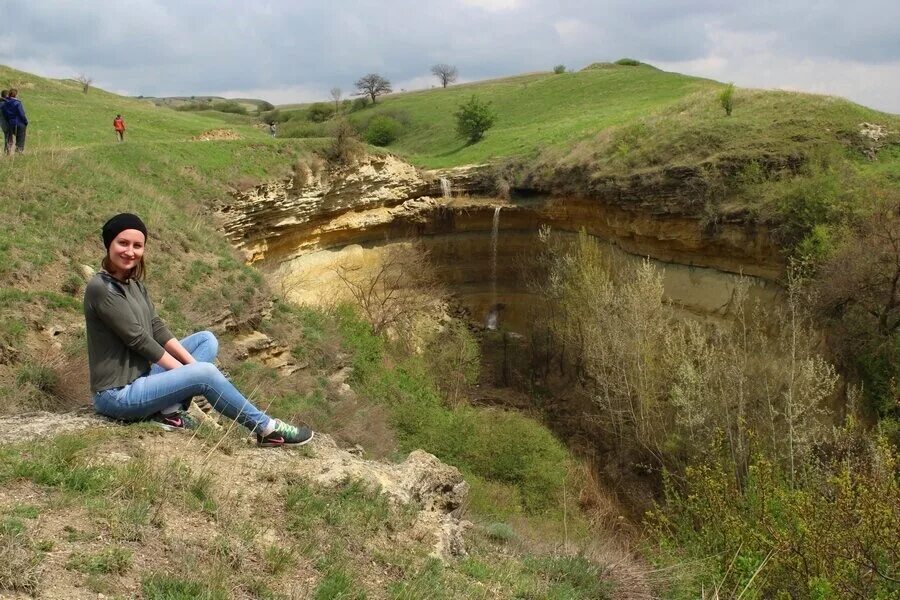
x: 160, y: 389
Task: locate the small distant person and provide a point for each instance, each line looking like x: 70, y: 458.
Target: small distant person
x: 4, y: 125
x: 119, y: 126
x: 16, y: 121
x: 272, y: 130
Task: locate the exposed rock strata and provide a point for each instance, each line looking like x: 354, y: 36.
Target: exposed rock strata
x: 264, y: 349
x: 387, y: 199
x: 266, y: 220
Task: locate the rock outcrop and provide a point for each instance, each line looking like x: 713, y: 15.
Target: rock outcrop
x: 302, y: 230
x: 278, y: 218
x: 437, y: 490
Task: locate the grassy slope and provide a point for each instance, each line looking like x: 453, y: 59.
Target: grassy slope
x: 61, y: 116
x: 72, y: 177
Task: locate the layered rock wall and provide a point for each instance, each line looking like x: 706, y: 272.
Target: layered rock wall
x: 301, y: 232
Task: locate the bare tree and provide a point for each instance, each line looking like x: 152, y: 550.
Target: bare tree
x: 395, y: 292
x: 85, y: 82
x: 336, y: 96
x: 446, y: 74
x: 373, y: 85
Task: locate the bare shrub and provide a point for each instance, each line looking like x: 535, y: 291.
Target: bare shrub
x: 393, y: 293
x: 307, y: 170
x: 455, y: 354
x: 244, y: 183
x: 445, y: 73
x: 72, y: 382
x: 356, y: 421
x: 345, y: 148
x: 502, y: 188
x: 336, y: 94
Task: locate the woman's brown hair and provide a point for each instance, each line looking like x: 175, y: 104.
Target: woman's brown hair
x: 137, y: 272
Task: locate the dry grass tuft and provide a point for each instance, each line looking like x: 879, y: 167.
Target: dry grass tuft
x: 19, y: 564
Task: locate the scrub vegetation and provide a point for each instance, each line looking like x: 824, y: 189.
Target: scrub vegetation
x: 769, y: 489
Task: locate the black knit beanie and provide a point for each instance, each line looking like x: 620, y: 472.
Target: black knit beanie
x: 120, y: 223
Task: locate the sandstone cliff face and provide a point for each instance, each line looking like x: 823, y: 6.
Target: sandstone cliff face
x: 350, y: 216
x: 273, y: 217
x: 384, y: 198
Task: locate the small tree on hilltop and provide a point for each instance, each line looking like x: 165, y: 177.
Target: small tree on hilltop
x: 474, y: 118
x: 559, y: 69
x: 85, y: 82
x: 446, y: 74
x: 726, y: 98
x: 336, y: 96
x: 373, y: 85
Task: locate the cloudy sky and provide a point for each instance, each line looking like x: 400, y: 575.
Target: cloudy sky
x: 296, y: 50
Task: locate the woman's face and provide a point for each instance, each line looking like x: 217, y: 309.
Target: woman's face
x: 126, y: 250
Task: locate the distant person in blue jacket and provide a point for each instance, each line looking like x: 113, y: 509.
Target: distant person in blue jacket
x: 16, y: 121
x: 3, y: 124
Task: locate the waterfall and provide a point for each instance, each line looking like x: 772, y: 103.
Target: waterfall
x: 494, y: 315
x: 445, y: 188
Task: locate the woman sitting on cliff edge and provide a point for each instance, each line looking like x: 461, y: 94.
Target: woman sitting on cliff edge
x: 138, y: 369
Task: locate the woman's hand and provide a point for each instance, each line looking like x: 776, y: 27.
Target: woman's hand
x: 169, y: 362
x: 174, y: 348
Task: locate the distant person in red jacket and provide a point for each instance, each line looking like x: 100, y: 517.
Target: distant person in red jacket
x: 119, y: 125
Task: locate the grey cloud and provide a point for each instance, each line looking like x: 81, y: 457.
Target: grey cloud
x: 201, y: 46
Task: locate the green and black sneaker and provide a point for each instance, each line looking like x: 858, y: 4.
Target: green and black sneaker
x: 285, y: 434
x: 176, y: 420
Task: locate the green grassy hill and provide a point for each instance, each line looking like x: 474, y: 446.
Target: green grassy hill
x: 651, y: 117
x: 61, y: 116
x: 534, y: 111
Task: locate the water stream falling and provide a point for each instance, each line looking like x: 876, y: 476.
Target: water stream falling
x: 494, y: 316
x: 446, y: 190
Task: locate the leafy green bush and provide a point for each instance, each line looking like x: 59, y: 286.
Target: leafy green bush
x: 628, y: 62
x: 302, y: 129
x: 830, y: 534
x: 274, y: 116
x: 474, y: 118
x: 382, y: 131
x: 359, y: 104
x: 230, y: 106
x: 502, y: 446
x: 559, y: 69
x: 726, y: 99
x: 319, y: 112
